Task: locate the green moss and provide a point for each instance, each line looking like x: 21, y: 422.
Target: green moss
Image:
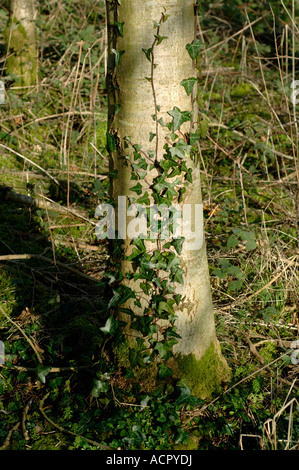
x: 206, y: 374
x: 241, y: 90
x: 269, y: 352
x: 22, y: 63
x: 192, y: 444
x: 128, y: 355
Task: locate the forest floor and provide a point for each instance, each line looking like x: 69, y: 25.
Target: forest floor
x: 58, y: 387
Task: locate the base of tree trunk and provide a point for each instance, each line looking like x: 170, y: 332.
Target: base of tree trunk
x: 204, y: 375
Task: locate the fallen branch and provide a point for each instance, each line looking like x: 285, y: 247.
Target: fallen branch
x: 42, y: 202
x: 61, y: 429
x: 31, y: 162
x: 8, y: 437
x: 47, y: 260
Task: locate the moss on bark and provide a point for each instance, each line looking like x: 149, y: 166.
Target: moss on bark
x: 203, y: 375
x: 22, y: 56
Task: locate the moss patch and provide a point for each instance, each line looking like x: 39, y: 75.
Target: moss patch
x: 128, y: 355
x: 22, y: 64
x: 206, y: 374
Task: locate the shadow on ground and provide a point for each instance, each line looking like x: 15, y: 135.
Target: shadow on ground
x: 60, y: 310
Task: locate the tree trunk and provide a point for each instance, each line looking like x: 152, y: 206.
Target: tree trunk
x: 20, y: 42
x: 143, y: 83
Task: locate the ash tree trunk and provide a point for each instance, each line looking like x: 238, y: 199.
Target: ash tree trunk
x: 21, y: 48
x: 151, y: 119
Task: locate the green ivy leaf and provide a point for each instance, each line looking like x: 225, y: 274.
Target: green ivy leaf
x: 178, y: 244
x: 194, y: 48
x: 179, y: 117
x: 184, y: 396
x: 148, y: 53
x: 188, y: 84
x: 164, y: 371
x: 133, y: 357
x: 120, y: 27
x: 144, y: 199
x: 163, y: 350
x: 42, y: 372
x: 160, y: 38
x: 118, y: 55
x: 178, y: 277
x: 110, y: 142
x: 99, y: 386
x: 109, y: 325
x: 137, y: 189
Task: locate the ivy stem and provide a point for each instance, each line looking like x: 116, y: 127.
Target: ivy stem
x: 153, y: 85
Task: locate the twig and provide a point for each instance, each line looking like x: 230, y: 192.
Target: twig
x: 31, y: 162
x: 8, y: 437
x: 232, y: 36
x: 24, y: 417
x: 51, y: 370
x: 61, y: 429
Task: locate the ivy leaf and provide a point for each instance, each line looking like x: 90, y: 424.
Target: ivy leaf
x: 148, y: 53
x: 160, y: 38
x: 118, y: 55
x: 137, y: 188
x: 42, y: 372
x: 195, y: 136
x: 133, y: 357
x: 194, y: 48
x: 99, y: 386
x: 189, y: 175
x: 188, y: 84
x: 120, y: 27
x: 178, y: 277
x: 109, y: 326
x: 179, y: 117
x: 184, y: 396
x: 164, y: 371
x: 144, y: 199
x: 166, y: 306
x: 163, y: 350
x: 110, y: 142
x: 178, y: 244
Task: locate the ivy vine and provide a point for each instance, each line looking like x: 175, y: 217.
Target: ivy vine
x: 158, y: 270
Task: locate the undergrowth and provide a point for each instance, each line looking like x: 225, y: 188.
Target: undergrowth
x: 59, y: 387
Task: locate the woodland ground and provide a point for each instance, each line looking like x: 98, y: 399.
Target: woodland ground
x: 58, y: 386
